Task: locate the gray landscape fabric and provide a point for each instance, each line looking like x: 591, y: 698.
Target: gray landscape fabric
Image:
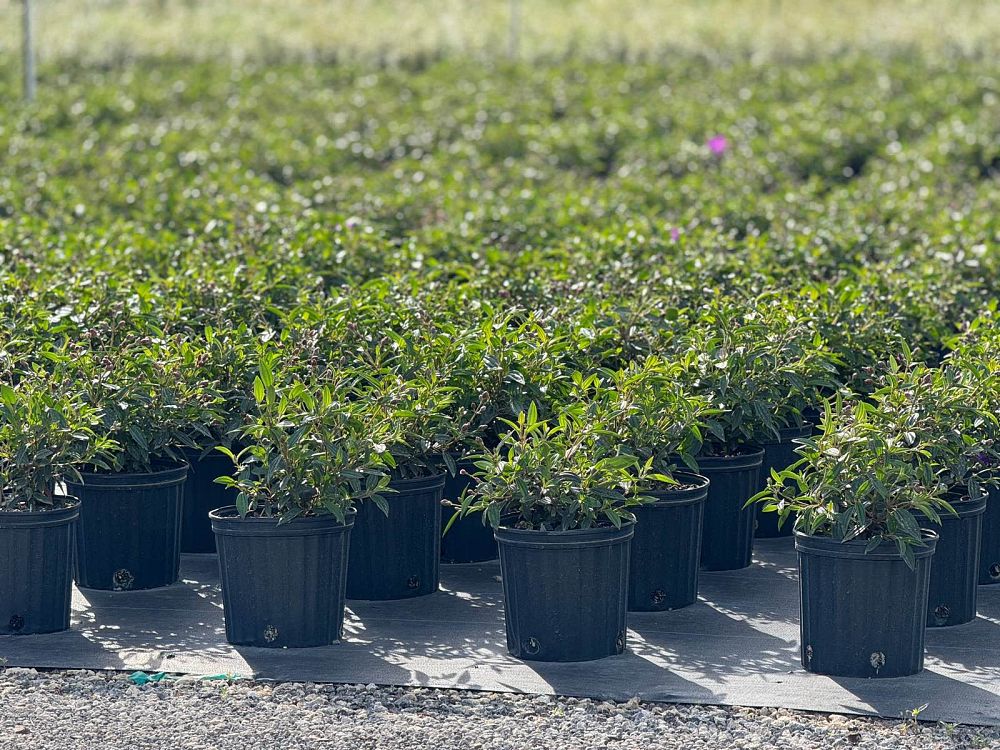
x: 738, y: 645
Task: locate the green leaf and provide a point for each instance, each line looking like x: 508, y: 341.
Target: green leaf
x: 532, y: 414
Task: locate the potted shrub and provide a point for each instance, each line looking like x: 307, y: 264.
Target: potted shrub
x: 396, y: 547
x: 807, y: 374
x: 975, y: 354
x: 732, y: 357
x: 647, y: 415
x: 559, y: 502
x: 217, y: 369
x: 130, y: 512
x: 506, y: 361
x: 950, y: 414
x: 864, y: 560
x: 310, y: 456
x: 45, y: 432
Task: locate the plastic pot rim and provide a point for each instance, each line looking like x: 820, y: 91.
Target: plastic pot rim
x: 403, y: 486
x: 226, y: 521
x: 972, y: 506
x: 173, y: 474
x: 42, y: 517
x: 672, y: 497
x: 197, y: 455
x: 825, y: 546
x: 597, y: 536
x: 739, y: 462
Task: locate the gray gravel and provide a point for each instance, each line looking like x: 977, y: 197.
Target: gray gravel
x: 104, y: 711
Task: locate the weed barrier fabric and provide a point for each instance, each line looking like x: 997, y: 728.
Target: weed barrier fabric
x: 738, y: 645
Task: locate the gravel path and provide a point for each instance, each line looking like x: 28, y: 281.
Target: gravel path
x: 104, y: 711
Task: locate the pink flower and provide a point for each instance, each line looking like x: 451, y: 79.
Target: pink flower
x: 718, y: 144
x: 675, y: 234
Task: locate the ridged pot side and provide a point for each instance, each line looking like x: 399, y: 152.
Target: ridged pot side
x: 129, y: 530
x: 202, y: 494
x: 36, y: 569
x: 862, y: 615
x: 953, y: 596
x: 282, y: 585
x: 565, y: 593
x: 668, y: 542
x: 398, y: 556
x: 989, y: 555
x: 727, y: 540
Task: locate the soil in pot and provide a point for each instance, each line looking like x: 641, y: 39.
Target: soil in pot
x: 668, y: 542
x: 282, y: 585
x: 778, y: 455
x: 565, y: 592
x: 36, y: 568
x: 201, y: 495
x: 128, y: 537
x: 727, y: 539
x: 955, y: 575
x: 397, y: 556
x: 862, y: 615
x: 468, y: 540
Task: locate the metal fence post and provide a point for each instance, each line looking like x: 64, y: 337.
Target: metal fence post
x: 28, y: 52
x: 514, y: 41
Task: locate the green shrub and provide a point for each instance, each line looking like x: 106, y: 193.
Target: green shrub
x: 310, y: 450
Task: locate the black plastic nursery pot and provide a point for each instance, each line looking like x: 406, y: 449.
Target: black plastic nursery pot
x: 201, y: 495
x: 468, y: 540
x: 862, y: 615
x: 565, y: 592
x: 36, y: 569
x: 283, y: 585
x: 668, y: 542
x: 778, y: 455
x: 128, y: 537
x: 955, y: 576
x: 989, y: 550
x: 398, y: 556
x: 727, y: 540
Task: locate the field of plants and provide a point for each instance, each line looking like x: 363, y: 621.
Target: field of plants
x: 104, y: 32
x: 317, y: 296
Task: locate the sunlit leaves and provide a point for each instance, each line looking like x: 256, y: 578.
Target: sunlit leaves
x: 309, y: 449
x: 46, y: 431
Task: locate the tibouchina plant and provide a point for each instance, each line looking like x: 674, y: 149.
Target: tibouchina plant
x: 554, y: 475
x: 311, y: 449
x: 869, y: 474
x: 46, y: 433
